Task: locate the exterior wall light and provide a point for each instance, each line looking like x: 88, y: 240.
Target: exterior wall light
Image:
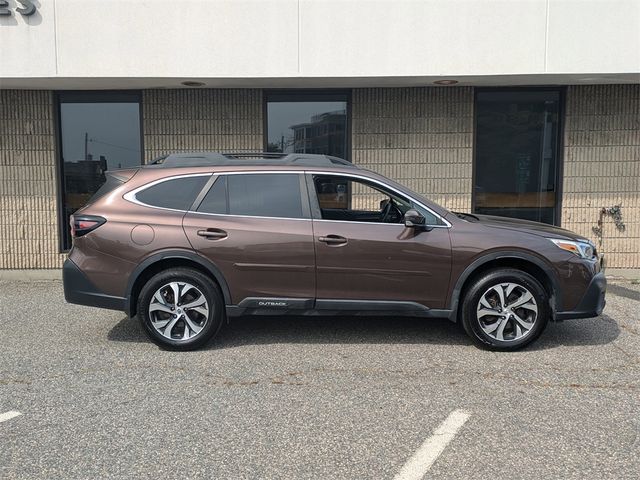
x: 446, y: 82
x: 190, y: 83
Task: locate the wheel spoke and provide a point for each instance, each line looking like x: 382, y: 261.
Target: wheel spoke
x: 192, y: 325
x: 167, y: 330
x: 484, y: 302
x: 526, y: 297
x: 522, y: 322
x: 175, y: 286
x: 201, y: 310
x: 159, y: 307
x: 499, y: 289
x: 483, y: 312
x: 491, y: 327
x: 198, y: 302
x: 500, y: 332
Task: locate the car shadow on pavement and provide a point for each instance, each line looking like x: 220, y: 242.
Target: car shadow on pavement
x: 260, y: 330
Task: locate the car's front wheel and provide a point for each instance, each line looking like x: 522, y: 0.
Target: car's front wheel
x: 181, y: 309
x: 505, y: 309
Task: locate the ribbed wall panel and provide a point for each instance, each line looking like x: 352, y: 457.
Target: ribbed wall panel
x: 28, y: 220
x: 201, y: 120
x: 422, y: 137
x: 602, y: 167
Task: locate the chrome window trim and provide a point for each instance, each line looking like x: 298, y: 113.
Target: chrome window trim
x: 249, y: 216
x: 388, y: 187
x: 131, y: 195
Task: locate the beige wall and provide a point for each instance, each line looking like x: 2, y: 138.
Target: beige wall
x: 28, y: 212
x: 602, y: 167
x: 201, y: 120
x: 421, y: 137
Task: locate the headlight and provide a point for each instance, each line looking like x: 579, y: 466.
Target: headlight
x: 581, y: 249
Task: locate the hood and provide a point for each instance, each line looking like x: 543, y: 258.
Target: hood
x: 536, y: 228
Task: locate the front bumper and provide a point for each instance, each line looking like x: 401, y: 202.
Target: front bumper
x: 592, y: 302
x: 78, y: 289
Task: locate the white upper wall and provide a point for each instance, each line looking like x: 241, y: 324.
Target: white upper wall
x: 149, y: 42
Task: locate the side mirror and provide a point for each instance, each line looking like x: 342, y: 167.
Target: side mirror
x: 413, y: 219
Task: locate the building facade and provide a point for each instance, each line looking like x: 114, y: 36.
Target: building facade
x: 527, y: 109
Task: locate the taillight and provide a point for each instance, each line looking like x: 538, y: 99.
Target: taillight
x: 83, y: 224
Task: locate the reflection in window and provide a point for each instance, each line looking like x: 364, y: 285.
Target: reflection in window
x: 98, y: 132
x: 307, y: 123
x: 517, y: 154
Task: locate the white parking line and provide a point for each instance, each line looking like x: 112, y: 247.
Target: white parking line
x: 420, y: 463
x: 8, y: 415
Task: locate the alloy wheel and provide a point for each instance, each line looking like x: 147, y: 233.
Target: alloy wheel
x: 178, y: 311
x: 507, y: 312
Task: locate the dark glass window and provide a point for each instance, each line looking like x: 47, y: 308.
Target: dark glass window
x: 262, y: 195
x: 177, y: 193
x: 517, y: 154
x: 307, y: 123
x: 98, y: 132
x: 215, y: 201
x: 347, y: 199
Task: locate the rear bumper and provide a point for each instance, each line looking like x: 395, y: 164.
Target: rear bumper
x: 592, y: 302
x: 78, y: 289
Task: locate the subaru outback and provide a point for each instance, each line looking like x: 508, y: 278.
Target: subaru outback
x: 191, y: 240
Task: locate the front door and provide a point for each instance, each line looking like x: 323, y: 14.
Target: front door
x: 256, y: 228
x: 364, y: 252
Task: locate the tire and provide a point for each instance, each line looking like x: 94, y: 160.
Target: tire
x: 507, y: 329
x: 165, y: 321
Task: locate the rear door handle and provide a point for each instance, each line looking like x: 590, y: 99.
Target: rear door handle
x: 212, y: 234
x: 333, y: 240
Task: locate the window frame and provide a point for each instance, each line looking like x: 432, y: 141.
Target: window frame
x: 310, y: 95
x: 559, y: 177
x: 304, y: 195
x: 315, y: 205
x: 83, y: 96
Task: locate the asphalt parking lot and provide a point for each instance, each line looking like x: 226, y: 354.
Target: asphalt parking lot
x: 317, y: 398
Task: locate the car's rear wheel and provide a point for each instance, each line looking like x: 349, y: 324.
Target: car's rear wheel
x: 505, y: 309
x: 181, y: 309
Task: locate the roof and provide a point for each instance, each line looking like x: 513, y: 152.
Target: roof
x: 205, y: 159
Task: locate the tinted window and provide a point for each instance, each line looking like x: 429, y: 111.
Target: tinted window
x: 307, y: 123
x: 177, y: 193
x: 98, y: 132
x: 215, y: 201
x: 347, y: 199
x: 517, y: 144
x: 262, y: 195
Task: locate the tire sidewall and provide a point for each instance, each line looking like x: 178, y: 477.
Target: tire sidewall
x: 206, y: 286
x: 470, y: 319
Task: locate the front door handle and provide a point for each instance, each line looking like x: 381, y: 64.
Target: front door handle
x: 212, y: 234
x: 333, y: 240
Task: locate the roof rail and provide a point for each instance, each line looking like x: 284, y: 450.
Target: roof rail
x: 206, y: 159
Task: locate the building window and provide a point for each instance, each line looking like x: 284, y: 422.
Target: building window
x: 97, y: 132
x: 517, y: 153
x: 307, y: 122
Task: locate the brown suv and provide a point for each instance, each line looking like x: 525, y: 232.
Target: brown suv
x: 192, y: 239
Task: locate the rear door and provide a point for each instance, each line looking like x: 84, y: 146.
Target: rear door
x: 365, y: 254
x: 256, y: 228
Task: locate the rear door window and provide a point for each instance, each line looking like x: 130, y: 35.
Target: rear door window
x: 256, y: 194
x: 176, y: 193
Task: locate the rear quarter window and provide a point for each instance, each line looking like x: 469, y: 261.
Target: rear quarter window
x: 176, y: 193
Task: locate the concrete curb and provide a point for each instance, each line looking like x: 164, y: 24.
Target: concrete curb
x: 31, y: 275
